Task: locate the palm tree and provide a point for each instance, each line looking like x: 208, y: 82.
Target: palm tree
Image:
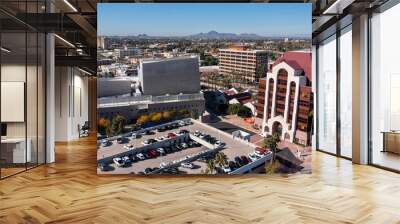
x: 210, y: 166
x: 271, y: 142
x: 221, y: 159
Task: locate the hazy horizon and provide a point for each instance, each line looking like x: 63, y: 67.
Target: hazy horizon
x: 185, y: 19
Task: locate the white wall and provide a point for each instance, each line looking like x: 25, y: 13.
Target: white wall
x: 71, y: 102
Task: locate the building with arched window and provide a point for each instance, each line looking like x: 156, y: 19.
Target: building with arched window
x: 285, y: 99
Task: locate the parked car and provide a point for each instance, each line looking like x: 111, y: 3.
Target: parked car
x: 161, y: 151
x: 136, y: 135
x: 105, y: 142
x: 183, y: 131
x: 178, y: 147
x: 171, y: 135
x: 153, y: 153
x: 253, y: 157
x: 232, y: 165
x: 239, y: 161
x: 161, y: 129
x: 148, y: 170
x: 202, y: 135
x: 121, y: 140
x: 219, y: 143
x: 161, y: 138
x: 141, y: 173
x: 126, y: 160
x: 149, y: 141
x: 245, y: 159
x: 129, y: 147
x: 187, y: 165
x: 148, y: 132
x: 184, y: 145
x: 188, y: 122
x: 261, y: 150
x: 118, y: 161
x: 140, y: 156
x: 105, y: 167
x: 181, y: 123
x: 197, y: 133
x: 226, y: 169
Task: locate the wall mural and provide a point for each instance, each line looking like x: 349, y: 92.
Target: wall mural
x: 197, y: 89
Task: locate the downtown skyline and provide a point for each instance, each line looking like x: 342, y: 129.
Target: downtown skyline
x: 179, y: 19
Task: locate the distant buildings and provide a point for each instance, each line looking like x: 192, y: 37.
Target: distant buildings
x: 129, y: 52
x: 238, y: 59
x: 285, y: 99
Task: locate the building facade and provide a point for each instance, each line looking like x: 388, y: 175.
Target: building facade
x: 285, y: 100
x: 170, y: 76
x: 238, y: 59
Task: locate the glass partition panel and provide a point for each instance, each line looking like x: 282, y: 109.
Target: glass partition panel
x: 327, y: 95
x: 13, y: 95
x: 385, y: 89
x: 346, y: 92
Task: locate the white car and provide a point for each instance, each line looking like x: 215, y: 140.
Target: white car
x: 181, y: 123
x: 253, y: 157
x: 105, y: 143
x: 129, y: 146
x: 140, y: 156
x: 118, y: 161
x: 197, y: 133
x: 226, y: 169
x: 202, y: 135
x: 161, y: 150
x: 126, y: 159
x: 188, y: 122
x: 184, y: 145
x: 187, y: 165
x: 160, y: 138
x: 219, y: 143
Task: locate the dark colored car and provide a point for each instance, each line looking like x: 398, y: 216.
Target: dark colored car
x: 122, y: 140
x: 183, y: 131
x: 239, y: 161
x: 148, y: 170
x: 245, y: 160
x: 161, y: 129
x: 232, y: 165
x: 141, y: 173
x: 105, y: 167
x: 153, y: 153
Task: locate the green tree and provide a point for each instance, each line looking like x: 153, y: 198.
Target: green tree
x: 210, y: 166
x: 143, y: 119
x: 117, y: 124
x: 103, y: 126
x: 244, y: 112
x: 221, y: 159
x: 156, y: 117
x: 234, y: 108
x: 271, y: 142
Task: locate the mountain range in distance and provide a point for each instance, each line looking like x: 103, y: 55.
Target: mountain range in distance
x: 214, y: 35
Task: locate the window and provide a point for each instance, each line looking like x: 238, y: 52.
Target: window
x: 385, y: 89
x: 327, y: 95
x: 346, y: 92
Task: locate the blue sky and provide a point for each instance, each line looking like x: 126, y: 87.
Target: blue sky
x: 184, y: 19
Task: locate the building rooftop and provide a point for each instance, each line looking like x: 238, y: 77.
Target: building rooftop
x: 297, y: 60
x: 151, y: 60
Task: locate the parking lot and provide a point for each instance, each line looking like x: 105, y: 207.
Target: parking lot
x: 232, y: 149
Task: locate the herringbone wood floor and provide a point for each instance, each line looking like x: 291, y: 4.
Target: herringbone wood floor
x: 69, y: 191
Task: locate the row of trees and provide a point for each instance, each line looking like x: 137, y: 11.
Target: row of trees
x: 113, y: 127
x: 116, y: 125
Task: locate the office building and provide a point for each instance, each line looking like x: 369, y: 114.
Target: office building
x: 179, y: 91
x: 181, y: 75
x: 285, y: 98
x: 240, y: 60
x: 129, y: 52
